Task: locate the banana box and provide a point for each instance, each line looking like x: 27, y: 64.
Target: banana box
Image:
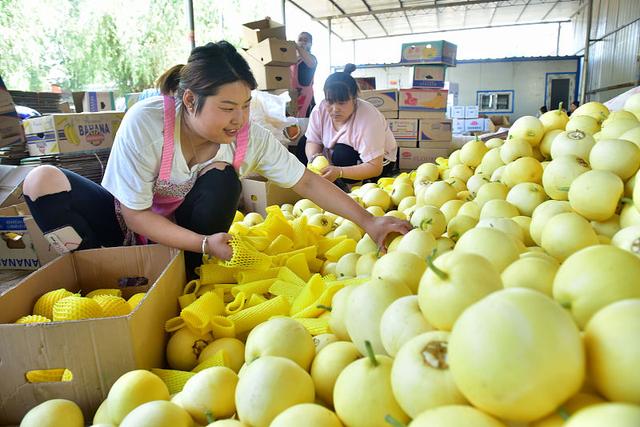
x: 428, y: 100
x: 65, y: 133
x: 383, y: 100
x: 433, y: 52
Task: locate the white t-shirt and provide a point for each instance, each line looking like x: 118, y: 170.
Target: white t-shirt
x: 134, y: 162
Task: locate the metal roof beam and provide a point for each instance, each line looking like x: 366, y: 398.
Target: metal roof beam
x: 480, y: 27
x: 376, y: 17
x: 550, y: 10
x: 493, y: 14
x: 406, y: 16
x: 412, y: 8
x: 348, y: 17
x: 523, y: 9
x: 303, y: 10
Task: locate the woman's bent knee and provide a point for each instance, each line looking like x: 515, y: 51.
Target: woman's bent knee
x: 45, y: 180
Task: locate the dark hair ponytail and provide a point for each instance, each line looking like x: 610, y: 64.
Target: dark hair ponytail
x: 209, y: 67
x: 169, y: 80
x: 340, y: 87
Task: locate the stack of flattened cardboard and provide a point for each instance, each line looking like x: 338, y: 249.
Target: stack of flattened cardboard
x: 91, y: 165
x: 42, y: 102
x: 269, y: 54
x: 11, y: 133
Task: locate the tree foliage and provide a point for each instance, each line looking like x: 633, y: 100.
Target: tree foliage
x: 118, y: 45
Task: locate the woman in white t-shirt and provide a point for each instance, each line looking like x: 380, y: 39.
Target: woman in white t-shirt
x: 351, y: 133
x: 172, y: 176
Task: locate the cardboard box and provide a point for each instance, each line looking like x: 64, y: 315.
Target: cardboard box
x: 434, y: 130
x: 268, y: 77
x: 23, y: 245
x: 274, y: 52
x: 94, y: 102
x: 435, y: 144
x: 96, y: 351
x: 404, y: 129
x: 433, y: 52
x: 407, y: 143
x: 410, y: 114
x: 65, y: 133
x: 428, y: 76
x: 256, y: 31
x: 475, y: 125
x: 431, y: 100
x: 258, y: 193
x: 457, y: 126
x: 383, y: 100
x: 390, y: 114
x: 366, y: 83
x: 11, y: 178
x: 471, y: 112
x: 457, y: 111
x: 411, y: 158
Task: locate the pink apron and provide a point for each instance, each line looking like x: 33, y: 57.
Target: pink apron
x: 167, y: 196
x: 305, y: 93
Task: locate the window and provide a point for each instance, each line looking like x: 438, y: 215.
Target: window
x: 500, y: 101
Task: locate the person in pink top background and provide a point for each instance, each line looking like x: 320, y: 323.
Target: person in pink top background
x: 173, y: 172
x: 351, y: 133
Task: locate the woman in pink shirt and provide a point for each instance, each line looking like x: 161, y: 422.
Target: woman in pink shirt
x: 351, y: 133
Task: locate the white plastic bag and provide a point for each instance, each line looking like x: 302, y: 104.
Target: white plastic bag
x: 270, y: 112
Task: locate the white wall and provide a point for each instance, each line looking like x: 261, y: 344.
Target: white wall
x: 525, y: 77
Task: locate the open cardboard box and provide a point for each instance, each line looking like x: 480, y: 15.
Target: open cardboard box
x: 258, y: 193
x: 96, y: 351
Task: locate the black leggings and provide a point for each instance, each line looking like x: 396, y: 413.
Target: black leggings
x: 89, y: 209
x: 345, y: 155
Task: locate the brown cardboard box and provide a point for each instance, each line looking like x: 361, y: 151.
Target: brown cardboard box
x: 411, y: 158
x: 258, y: 193
x: 383, y: 100
x: 434, y: 144
x: 406, y: 143
x: 274, y: 52
x: 96, y: 351
x: 65, y: 133
x: 268, y: 77
x: 23, y: 246
x: 430, y: 100
x: 256, y: 31
x: 390, y: 114
x: 94, y: 102
x: 11, y: 178
x: 404, y: 129
x: 405, y: 114
x: 434, y: 130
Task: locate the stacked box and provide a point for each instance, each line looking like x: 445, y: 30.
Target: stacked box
x: 434, y: 133
x: 10, y: 127
x: 429, y: 76
x: 405, y: 131
x: 384, y: 100
x: 94, y: 102
x: 465, y: 119
x: 423, y: 100
x: 431, y: 52
x: 269, y: 54
x: 411, y: 158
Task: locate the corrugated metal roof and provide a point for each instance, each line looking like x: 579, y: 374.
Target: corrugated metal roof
x: 468, y: 61
x: 366, y: 19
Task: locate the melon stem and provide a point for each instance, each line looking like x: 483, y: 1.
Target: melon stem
x: 370, y: 354
x: 393, y: 422
x: 323, y: 307
x: 441, y: 274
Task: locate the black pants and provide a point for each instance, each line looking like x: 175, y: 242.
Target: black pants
x: 89, y: 209
x: 345, y: 155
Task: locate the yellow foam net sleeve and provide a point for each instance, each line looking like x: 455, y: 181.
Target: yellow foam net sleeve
x: 260, y: 243
x: 174, y: 379
x: 310, y: 252
x: 220, y: 358
x: 327, y: 243
x: 300, y: 232
x: 298, y: 264
x: 212, y: 273
x: 113, y: 305
x: 315, y: 265
x: 245, y: 256
x: 318, y: 306
x: 287, y: 275
x: 198, y: 314
x: 32, y: 318
x: 287, y: 290
x: 239, y: 229
x: 135, y: 299
x: 257, y: 287
x: 247, y: 276
x: 308, y: 294
x: 342, y: 248
x: 44, y: 304
x: 237, y: 304
x: 174, y: 324
x: 105, y: 291
x: 76, y: 308
x: 255, y: 299
x: 275, y: 224
x: 315, y: 326
x: 49, y: 375
x: 223, y: 327
x: 279, y: 245
x: 248, y: 318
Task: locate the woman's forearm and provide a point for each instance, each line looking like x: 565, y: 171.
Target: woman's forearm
x: 363, y: 171
x: 311, y: 149
x: 161, y: 230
